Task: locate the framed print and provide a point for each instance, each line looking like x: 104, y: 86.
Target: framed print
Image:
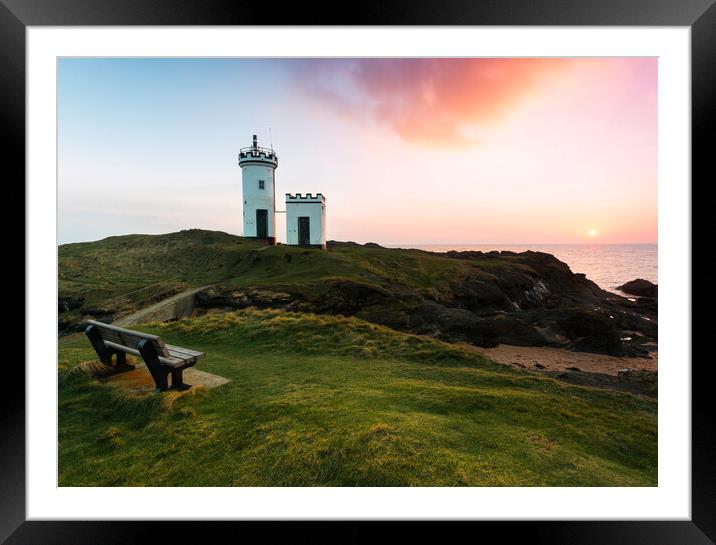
x: 421, y: 265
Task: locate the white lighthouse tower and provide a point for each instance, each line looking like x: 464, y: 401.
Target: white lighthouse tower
x: 258, y: 172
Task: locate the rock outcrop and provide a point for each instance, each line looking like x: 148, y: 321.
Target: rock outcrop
x: 534, y: 300
x: 483, y: 298
x: 640, y: 288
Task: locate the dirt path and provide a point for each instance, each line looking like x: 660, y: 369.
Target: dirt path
x: 560, y: 359
x: 166, y: 309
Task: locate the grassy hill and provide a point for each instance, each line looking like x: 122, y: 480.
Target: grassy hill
x: 327, y: 400
x: 97, y: 271
x: 484, y: 298
x: 101, y: 269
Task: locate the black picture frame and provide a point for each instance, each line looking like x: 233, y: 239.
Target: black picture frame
x: 16, y: 15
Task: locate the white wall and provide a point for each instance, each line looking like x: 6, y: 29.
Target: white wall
x: 315, y: 210
x: 255, y: 198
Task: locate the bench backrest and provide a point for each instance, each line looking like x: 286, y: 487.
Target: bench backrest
x: 129, y: 338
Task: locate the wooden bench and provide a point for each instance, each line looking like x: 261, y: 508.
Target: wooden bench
x: 161, y: 359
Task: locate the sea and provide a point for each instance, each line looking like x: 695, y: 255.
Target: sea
x: 609, y: 265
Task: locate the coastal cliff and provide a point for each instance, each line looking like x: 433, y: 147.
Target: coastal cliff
x: 528, y: 298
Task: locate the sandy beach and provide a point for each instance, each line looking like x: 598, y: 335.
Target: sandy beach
x: 560, y: 359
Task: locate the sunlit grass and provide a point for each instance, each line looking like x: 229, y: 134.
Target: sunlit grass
x: 332, y: 401
x: 101, y: 270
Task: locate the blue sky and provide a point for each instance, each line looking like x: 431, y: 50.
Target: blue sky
x: 160, y: 137
x: 406, y: 151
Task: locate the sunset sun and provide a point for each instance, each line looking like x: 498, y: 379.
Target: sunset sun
x: 593, y: 233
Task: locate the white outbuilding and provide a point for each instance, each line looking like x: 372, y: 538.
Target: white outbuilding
x: 258, y: 177
x: 306, y: 220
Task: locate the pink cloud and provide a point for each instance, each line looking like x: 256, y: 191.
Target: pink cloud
x: 428, y: 101
x: 438, y: 101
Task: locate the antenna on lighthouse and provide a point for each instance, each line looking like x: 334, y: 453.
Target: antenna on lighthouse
x: 270, y: 138
x: 256, y: 142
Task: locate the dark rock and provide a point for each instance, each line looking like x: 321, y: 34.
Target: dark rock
x: 590, y: 331
x: 526, y: 299
x: 250, y: 297
x: 348, y: 297
x: 640, y: 288
x: 267, y: 298
x: 473, y: 293
x: 65, y: 327
x: 551, y: 336
x: 69, y: 303
x: 213, y: 298
x: 509, y: 328
x: 98, y: 311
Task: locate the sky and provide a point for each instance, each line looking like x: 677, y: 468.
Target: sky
x: 406, y: 151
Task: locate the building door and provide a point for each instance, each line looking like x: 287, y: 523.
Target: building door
x: 261, y: 223
x: 304, y: 231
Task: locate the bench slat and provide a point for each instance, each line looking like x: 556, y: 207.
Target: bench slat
x: 172, y: 361
x: 187, y: 351
x: 116, y: 329
x: 129, y: 338
x: 182, y: 355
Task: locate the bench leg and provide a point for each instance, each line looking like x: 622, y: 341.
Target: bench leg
x: 177, y: 382
x: 160, y: 373
x: 161, y: 380
x: 95, y: 337
x: 121, y: 364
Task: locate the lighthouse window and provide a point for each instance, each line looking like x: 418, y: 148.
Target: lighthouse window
x: 261, y: 184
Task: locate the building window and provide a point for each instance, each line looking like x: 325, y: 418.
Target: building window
x: 261, y: 184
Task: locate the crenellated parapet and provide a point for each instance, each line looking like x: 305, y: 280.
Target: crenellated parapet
x: 308, y: 197
x: 258, y: 155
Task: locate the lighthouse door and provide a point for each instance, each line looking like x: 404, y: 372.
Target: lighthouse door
x: 261, y: 223
x: 304, y: 231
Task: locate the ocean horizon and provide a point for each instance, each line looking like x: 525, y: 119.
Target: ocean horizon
x: 609, y: 265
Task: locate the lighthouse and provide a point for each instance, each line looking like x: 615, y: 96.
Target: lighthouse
x: 258, y: 181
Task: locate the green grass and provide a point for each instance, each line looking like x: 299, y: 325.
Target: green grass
x: 331, y: 401
x: 114, y: 266
x: 414, y: 268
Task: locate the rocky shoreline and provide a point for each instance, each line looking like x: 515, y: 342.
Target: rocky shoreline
x: 484, y: 299
x: 526, y: 299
